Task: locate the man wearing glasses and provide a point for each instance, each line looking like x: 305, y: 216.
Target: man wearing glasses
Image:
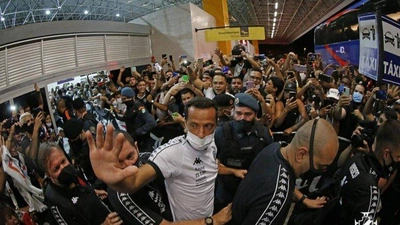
x: 266, y: 192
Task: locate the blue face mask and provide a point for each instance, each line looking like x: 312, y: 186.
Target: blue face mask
x: 357, y: 97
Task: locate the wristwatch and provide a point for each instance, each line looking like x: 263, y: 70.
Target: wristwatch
x: 209, y: 220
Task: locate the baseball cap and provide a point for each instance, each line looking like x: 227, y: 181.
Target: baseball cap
x: 333, y: 93
x: 243, y: 99
x: 128, y: 92
x: 224, y: 100
x: 290, y: 86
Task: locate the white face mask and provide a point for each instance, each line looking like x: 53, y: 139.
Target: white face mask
x: 119, y: 100
x: 48, y: 124
x: 199, y: 143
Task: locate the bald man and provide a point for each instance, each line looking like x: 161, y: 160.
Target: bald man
x: 266, y: 192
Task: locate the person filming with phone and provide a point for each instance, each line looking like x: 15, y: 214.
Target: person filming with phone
x: 288, y: 111
x: 348, y: 110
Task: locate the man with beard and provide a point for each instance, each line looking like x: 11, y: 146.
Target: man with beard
x: 147, y: 205
x: 139, y: 121
x: 237, y: 86
x: 70, y: 199
x: 238, y: 143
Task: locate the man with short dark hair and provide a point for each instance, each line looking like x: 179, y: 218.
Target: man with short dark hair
x: 218, y: 86
x: 237, y: 86
x: 88, y: 119
x: 187, y: 163
x: 149, y: 203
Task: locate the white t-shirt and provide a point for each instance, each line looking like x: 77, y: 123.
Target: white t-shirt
x: 209, y: 93
x: 189, y: 177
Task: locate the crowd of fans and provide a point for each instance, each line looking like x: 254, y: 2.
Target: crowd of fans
x: 181, y: 141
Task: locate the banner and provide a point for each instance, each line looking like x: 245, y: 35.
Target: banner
x: 235, y: 33
x: 368, y: 64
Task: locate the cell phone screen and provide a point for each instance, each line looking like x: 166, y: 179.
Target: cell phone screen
x: 236, y: 52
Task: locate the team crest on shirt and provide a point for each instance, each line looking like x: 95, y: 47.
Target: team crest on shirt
x: 74, y: 200
x: 142, y: 109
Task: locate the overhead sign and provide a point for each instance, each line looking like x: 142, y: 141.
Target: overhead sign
x: 368, y: 64
x: 235, y: 33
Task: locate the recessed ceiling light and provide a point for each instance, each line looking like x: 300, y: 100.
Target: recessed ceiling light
x: 86, y: 12
x: 275, y: 13
x: 47, y: 12
x: 274, y: 19
x: 276, y: 5
x: 117, y: 15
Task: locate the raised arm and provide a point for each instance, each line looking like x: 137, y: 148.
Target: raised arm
x: 104, y: 158
x: 119, y: 82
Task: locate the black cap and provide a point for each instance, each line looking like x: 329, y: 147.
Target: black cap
x: 224, y: 100
x: 73, y: 128
x: 290, y: 86
x: 78, y: 103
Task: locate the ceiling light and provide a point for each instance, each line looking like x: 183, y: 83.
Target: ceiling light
x: 274, y: 19
x: 2, y: 19
x: 275, y: 13
x: 86, y: 12
x: 276, y: 5
x: 117, y: 15
x: 47, y: 12
x: 273, y: 24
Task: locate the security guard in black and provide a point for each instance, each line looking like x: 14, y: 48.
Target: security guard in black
x: 238, y: 142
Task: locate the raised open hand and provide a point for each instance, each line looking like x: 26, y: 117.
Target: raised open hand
x: 104, y: 156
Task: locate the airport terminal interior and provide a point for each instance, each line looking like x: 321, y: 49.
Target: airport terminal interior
x: 204, y: 112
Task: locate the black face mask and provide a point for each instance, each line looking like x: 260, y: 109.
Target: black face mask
x: 244, y: 125
x: 129, y: 103
x: 67, y: 176
x: 391, y: 167
x: 239, y: 59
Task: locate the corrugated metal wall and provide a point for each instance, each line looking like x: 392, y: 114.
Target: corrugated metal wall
x: 31, y: 61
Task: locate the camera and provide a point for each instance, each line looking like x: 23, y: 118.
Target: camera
x: 367, y: 134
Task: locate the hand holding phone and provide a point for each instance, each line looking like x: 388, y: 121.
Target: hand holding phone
x: 346, y: 91
x: 249, y: 84
x: 292, y: 96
